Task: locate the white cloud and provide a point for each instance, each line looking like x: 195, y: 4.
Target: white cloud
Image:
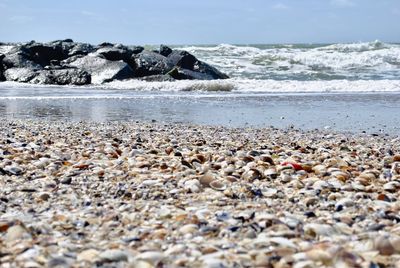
x: 342, y: 3
x: 280, y: 6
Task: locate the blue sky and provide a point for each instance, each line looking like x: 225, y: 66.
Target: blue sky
x: 201, y: 21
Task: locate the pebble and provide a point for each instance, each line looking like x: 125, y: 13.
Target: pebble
x: 112, y: 255
x: 78, y: 194
x: 89, y: 255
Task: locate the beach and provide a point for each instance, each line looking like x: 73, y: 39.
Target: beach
x: 142, y: 194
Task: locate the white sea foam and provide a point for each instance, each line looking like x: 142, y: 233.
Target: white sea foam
x: 266, y: 86
x: 373, y: 60
x: 121, y: 89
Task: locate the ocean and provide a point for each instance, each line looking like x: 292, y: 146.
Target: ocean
x: 345, y: 87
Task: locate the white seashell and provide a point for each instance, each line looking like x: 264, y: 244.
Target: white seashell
x: 153, y: 257
x: 319, y: 169
x: 218, y: 185
x: 391, y: 186
x: 206, y: 179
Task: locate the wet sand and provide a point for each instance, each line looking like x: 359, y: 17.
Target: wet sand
x: 172, y: 195
x: 375, y: 113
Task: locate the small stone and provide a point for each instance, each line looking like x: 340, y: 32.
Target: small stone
x: 112, y: 255
x: 153, y: 257
x: 16, y: 232
x: 88, y: 255
x: 67, y: 180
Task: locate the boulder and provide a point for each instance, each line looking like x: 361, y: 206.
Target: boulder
x: 182, y: 59
x: 69, y: 76
x: 102, y: 70
x: 43, y: 53
x: 205, y: 68
x: 183, y: 74
x: 116, y: 54
x: 65, y: 62
x: 80, y: 49
x: 19, y: 57
x: 136, y: 49
x: 23, y: 74
x: 165, y: 51
x: 151, y: 63
x: 2, y: 78
x: 188, y: 66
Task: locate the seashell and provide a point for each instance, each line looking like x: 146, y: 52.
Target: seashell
x: 88, y: 255
x: 229, y: 169
x: 369, y: 175
x: 153, y: 257
x: 391, y: 186
x: 396, y: 158
x: 169, y: 150
x: 319, y: 169
x: 355, y: 186
x: 269, y: 192
x: 189, y: 229
x: 320, y: 185
x: 345, y: 202
x: 252, y: 175
x: 311, y: 201
x: 383, y: 245
x: 206, y: 179
x: 293, y: 165
x: 218, y: 185
x: 285, y: 178
x: 193, y: 186
x: 271, y: 173
x: 201, y: 158
x: 341, y: 175
x: 315, y: 229
x: 395, y: 170
x: 267, y: 159
x: 232, y: 179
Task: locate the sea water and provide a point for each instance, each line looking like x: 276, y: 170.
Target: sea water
x: 351, y: 87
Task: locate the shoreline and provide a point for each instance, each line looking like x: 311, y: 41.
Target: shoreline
x: 148, y: 194
x: 373, y: 113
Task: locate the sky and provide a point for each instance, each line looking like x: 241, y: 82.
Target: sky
x: 140, y: 22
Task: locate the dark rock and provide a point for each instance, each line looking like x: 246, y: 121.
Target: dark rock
x: 80, y: 49
x: 192, y: 68
x: 44, y: 53
x: 182, y: 59
x: 58, y: 61
x: 105, y: 44
x: 182, y: 74
x: 23, y: 75
x: 165, y: 51
x: 115, y: 54
x: 205, y: 68
x: 19, y: 57
x: 69, y: 76
x: 151, y: 63
x: 136, y: 49
x: 102, y: 70
x: 2, y: 78
x: 67, y: 180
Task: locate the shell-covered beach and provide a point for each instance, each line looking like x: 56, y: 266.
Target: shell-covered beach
x: 138, y: 194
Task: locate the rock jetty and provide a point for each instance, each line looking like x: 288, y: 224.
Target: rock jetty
x: 64, y: 62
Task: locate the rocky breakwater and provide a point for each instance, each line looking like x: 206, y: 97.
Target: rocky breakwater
x: 65, y: 62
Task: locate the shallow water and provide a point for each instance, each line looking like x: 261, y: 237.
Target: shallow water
x: 354, y: 112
